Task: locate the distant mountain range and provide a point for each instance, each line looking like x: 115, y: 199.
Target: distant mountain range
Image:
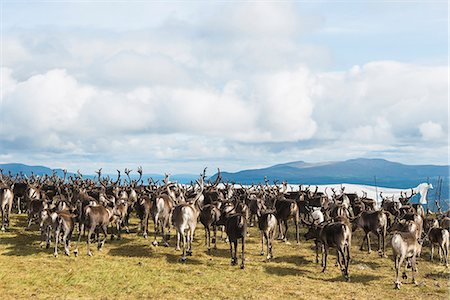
x: 362, y: 170
x: 16, y: 168
x: 27, y: 170
x: 356, y: 171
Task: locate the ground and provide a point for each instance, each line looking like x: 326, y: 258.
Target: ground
x: 132, y: 268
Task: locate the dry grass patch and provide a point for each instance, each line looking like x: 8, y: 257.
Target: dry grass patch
x: 132, y: 268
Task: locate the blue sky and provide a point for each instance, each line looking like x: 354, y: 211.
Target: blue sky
x: 179, y: 85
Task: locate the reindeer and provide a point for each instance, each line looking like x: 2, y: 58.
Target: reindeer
x: 184, y: 218
x: 64, y: 224
x: 95, y: 218
x: 285, y: 210
x: 267, y: 223
x: 47, y: 224
x: 439, y: 236
x: 161, y: 211
x: 20, y: 190
x: 336, y: 234
x: 256, y: 205
x: 120, y: 211
x: 369, y: 203
x: 132, y: 196
x: 143, y: 209
x: 6, y: 201
x: 236, y: 228
x: 445, y: 223
x: 405, y: 245
x: 375, y: 222
x: 209, y: 217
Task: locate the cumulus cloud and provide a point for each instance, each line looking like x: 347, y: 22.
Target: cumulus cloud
x: 56, y: 102
x: 386, y: 97
x: 224, y: 89
x: 431, y: 131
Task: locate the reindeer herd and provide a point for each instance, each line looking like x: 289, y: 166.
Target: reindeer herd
x: 101, y: 207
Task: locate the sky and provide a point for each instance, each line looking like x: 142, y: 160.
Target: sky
x: 179, y: 85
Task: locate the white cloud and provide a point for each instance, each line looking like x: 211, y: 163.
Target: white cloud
x: 400, y: 94
x: 52, y: 108
x: 431, y: 131
x: 224, y: 88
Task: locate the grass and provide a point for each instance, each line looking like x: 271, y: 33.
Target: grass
x: 132, y: 268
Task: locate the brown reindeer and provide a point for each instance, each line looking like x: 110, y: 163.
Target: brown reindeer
x: 184, y: 218
x: 405, y: 246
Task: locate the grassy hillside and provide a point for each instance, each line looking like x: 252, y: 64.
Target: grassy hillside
x: 131, y: 268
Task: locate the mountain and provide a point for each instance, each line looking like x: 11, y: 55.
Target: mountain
x: 357, y: 171
x: 362, y: 170
x: 16, y: 168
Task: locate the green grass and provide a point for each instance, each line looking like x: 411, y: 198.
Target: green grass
x: 132, y: 268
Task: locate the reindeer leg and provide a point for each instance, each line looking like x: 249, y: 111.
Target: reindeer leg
x: 119, y: 230
x: 243, y: 251
x: 317, y: 252
x: 146, y: 226
x: 3, y: 219
x: 347, y: 262
x: 89, y: 253
x: 338, y: 262
x: 66, y: 241
x: 178, y: 240
x: 270, y: 241
x: 404, y: 276
x: 80, y: 229
x: 363, y: 241
x: 235, y: 252
x: 99, y: 242
x: 155, y: 242
x: 190, y: 236
x: 105, y: 232
x: 397, y: 260
x: 183, y: 236
x: 280, y: 231
x: 414, y: 269
x: 166, y: 237
x: 324, y: 257
x: 262, y: 242
x: 207, y: 241
x: 55, y: 253
x: 9, y: 212
x: 126, y: 223
x: 269, y: 245
x: 19, y: 210
x: 432, y: 251
x: 215, y: 237
x: 231, y: 253
x: 379, y: 244
x: 286, y: 230
x: 368, y: 242
x: 30, y: 219
x: 339, y: 256
x: 445, y: 248
x: 440, y: 252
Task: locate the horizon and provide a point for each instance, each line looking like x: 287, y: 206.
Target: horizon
x: 179, y: 86
x: 161, y: 172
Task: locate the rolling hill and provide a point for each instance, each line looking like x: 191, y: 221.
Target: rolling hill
x: 355, y: 171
